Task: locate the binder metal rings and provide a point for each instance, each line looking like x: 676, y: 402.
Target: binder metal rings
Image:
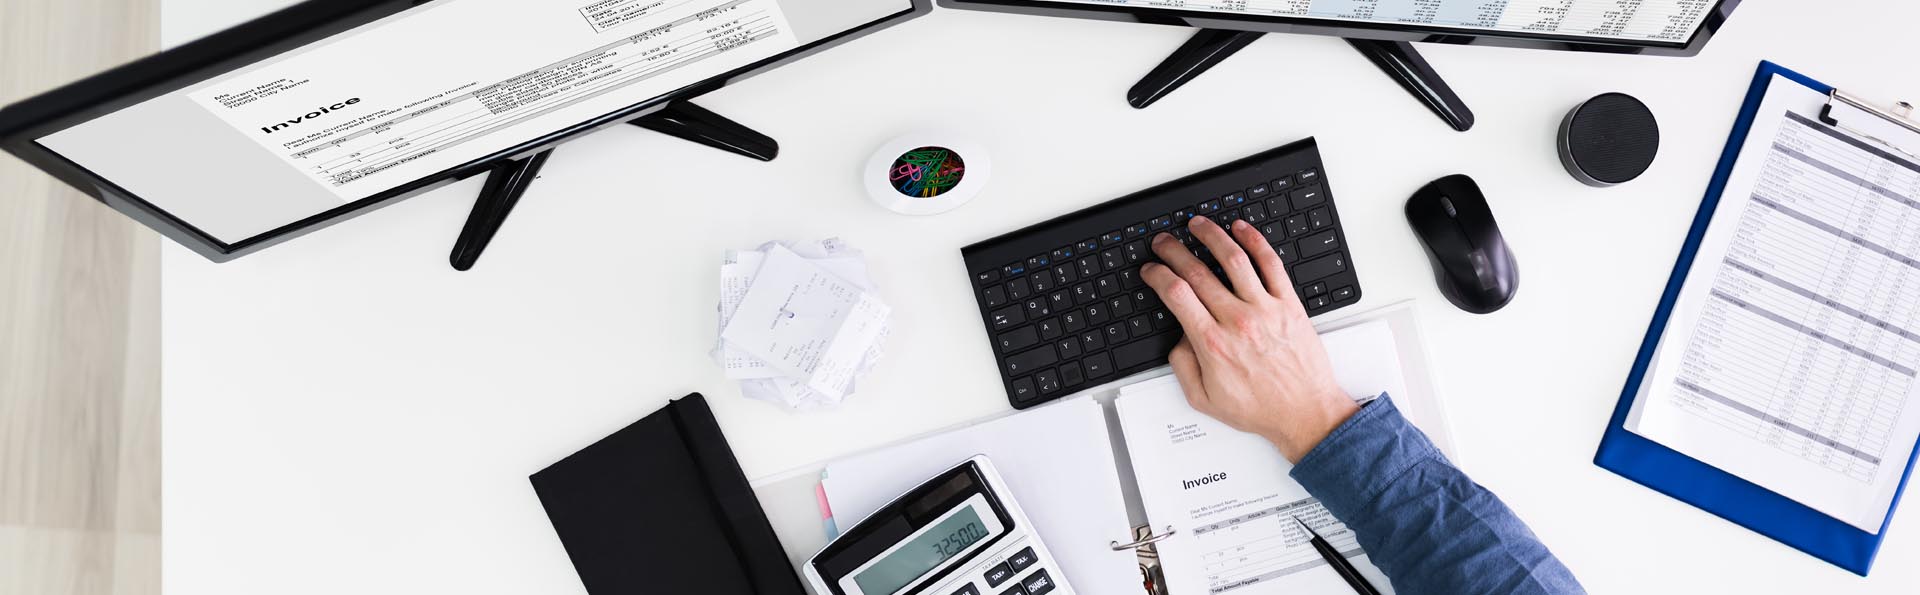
x: 1146, y: 541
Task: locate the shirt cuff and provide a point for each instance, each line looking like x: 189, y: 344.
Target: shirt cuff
x: 1368, y: 452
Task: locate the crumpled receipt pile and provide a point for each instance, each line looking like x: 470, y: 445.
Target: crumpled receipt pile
x: 800, y: 322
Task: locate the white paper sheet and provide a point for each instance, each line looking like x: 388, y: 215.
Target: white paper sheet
x: 1228, y: 492
x: 1790, y: 357
x: 807, y: 323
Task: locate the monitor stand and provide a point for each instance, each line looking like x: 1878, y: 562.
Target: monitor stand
x: 1398, y: 58
x: 509, y: 179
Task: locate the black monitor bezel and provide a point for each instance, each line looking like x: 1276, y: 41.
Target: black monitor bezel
x: 1408, y: 32
x: 23, y: 123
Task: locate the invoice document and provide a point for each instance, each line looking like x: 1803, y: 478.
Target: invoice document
x: 1791, y: 355
x: 357, y: 129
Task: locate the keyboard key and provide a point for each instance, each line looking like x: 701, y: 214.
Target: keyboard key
x: 1062, y: 254
x: 1310, y: 196
x: 1063, y: 274
x: 1273, y: 231
x: 1137, y: 230
x: 1019, y: 289
x: 1317, y: 303
x: 1314, y: 270
x: 1097, y: 365
x: 1130, y: 278
x: 1344, y: 294
x: 1208, y: 208
x: 1049, y: 382
x: 1023, y: 390
x: 1297, y: 225
x: 1069, y: 348
x: 1309, y: 177
x: 1073, y: 321
x: 1287, y: 254
x: 1013, y: 270
x: 987, y: 276
x: 1037, y: 308
x: 1022, y: 559
x: 1277, y: 206
x: 1282, y: 184
x: 1225, y: 218
x: 1181, y: 216
x: 1233, y: 201
x: 1030, y: 360
x: 1070, y: 374
x: 1107, y: 285
x: 1091, y: 341
x: 1084, y: 294
x: 1087, y: 246
x: 1259, y: 193
x: 1320, y: 243
x: 1255, y: 212
x: 1060, y: 301
x: 1038, y: 583
x: 1112, y: 237
x: 1038, y: 263
x: 1112, y: 259
x: 1149, y: 350
x: 1049, y: 329
x: 1008, y: 317
x: 1120, y: 306
x: 1140, y: 326
x: 1042, y: 281
x: 1320, y: 218
x: 1163, y: 320
x: 1159, y: 223
x: 1089, y: 266
x: 1145, y: 298
x: 1116, y: 332
x: 1137, y: 253
x: 995, y: 297
x: 1018, y: 339
x: 1096, y: 313
x: 1313, y: 290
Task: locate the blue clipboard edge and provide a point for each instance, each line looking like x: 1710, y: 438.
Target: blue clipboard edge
x: 1687, y: 479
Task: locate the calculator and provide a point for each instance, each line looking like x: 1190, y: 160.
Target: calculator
x: 960, y: 533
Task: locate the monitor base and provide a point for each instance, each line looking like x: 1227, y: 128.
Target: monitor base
x: 1208, y: 47
x: 509, y: 180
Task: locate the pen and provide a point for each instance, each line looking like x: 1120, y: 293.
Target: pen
x: 1339, y: 562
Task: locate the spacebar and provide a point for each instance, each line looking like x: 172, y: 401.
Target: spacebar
x: 1152, y: 349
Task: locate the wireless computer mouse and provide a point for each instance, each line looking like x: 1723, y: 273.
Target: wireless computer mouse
x: 1470, y: 258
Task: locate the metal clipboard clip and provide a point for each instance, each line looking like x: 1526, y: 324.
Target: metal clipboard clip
x: 1841, y: 103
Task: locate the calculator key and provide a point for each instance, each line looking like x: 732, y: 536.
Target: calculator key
x: 1048, y: 380
x: 1006, y: 318
x: 1023, y: 390
x: 1320, y: 243
x: 1042, y: 281
x: 1028, y: 361
x: 1019, y: 289
x: 1314, y: 270
x: 1310, y: 196
x: 1016, y: 590
x: 1020, y: 560
x: 968, y: 590
x: 995, y: 297
x: 987, y: 276
x: 1038, y: 583
x: 1069, y: 348
x: 1018, y: 339
x: 999, y: 575
x: 1070, y: 375
x: 1343, y: 294
x: 1139, y: 326
x: 1320, y: 218
x: 1049, y: 329
x: 1097, y: 365
x: 1112, y: 237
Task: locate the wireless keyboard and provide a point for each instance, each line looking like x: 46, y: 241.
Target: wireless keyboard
x: 1063, y: 301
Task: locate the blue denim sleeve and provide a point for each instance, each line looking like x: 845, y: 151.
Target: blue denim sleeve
x: 1420, y: 519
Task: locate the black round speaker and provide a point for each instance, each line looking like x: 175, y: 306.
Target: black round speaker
x: 1608, y: 140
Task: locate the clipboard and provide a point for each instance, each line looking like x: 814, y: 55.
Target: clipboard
x: 1692, y: 481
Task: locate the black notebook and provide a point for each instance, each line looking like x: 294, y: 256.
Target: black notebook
x: 661, y: 506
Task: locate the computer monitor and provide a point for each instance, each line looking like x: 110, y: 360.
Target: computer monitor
x: 331, y: 108
x: 1382, y: 29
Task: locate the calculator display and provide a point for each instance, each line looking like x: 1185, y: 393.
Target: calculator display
x: 926, y: 550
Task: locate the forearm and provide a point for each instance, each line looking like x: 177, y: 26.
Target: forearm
x: 1420, y: 519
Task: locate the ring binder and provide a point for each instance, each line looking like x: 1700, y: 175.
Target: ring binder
x: 1900, y: 115
x: 1142, y: 542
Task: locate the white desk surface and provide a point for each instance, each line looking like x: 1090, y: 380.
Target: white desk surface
x: 345, y: 414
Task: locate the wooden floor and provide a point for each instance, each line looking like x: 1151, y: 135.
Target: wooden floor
x: 79, y: 336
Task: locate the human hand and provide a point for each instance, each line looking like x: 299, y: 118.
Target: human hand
x: 1250, y: 358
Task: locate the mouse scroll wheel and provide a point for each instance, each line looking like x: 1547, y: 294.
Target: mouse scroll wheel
x: 1447, y: 203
